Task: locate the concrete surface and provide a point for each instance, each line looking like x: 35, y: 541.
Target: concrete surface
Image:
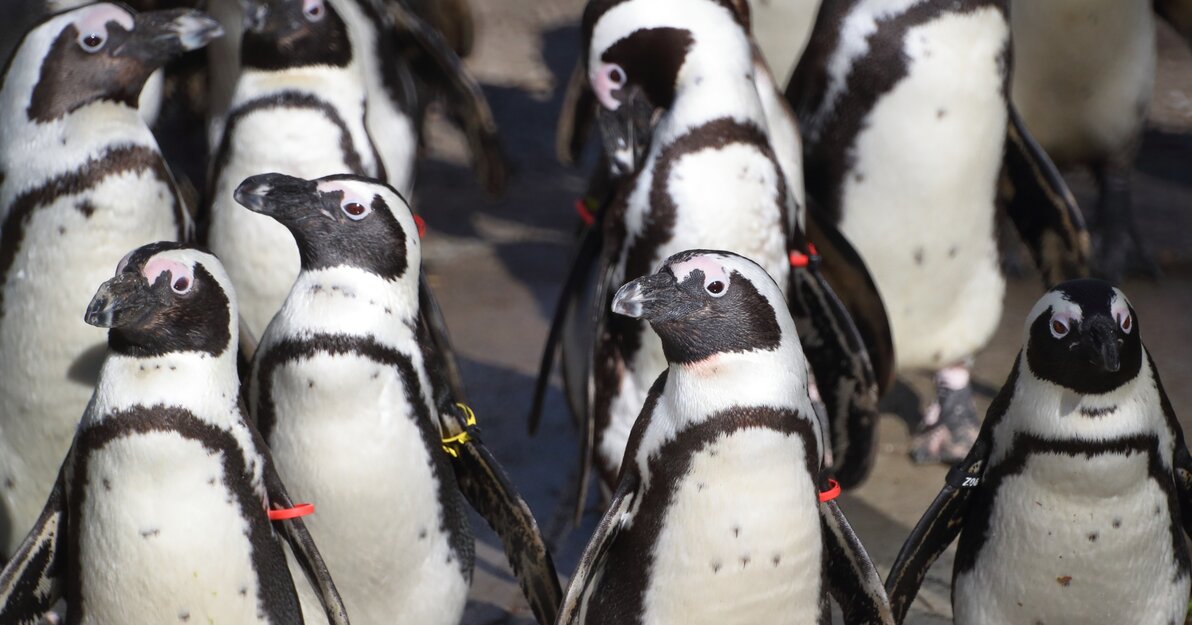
x: 497, y: 265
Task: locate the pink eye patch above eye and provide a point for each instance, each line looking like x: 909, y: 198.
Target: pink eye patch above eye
x: 157, y: 266
x: 95, y: 20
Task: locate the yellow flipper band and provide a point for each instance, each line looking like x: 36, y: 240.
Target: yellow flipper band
x: 451, y: 442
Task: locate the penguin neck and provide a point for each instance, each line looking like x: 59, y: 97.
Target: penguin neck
x: 349, y: 300
x: 63, y: 143
x: 327, y: 81
x: 774, y: 378
x: 196, y: 381
x: 710, y: 92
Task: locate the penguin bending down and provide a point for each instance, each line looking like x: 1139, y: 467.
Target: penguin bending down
x: 347, y: 388
x: 1084, y: 72
x: 906, y: 131
x: 690, y: 120
x: 1072, y: 506
x: 159, y: 513
x: 717, y: 517
x: 82, y: 181
x: 299, y: 108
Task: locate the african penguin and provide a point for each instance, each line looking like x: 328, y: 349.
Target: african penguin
x: 1072, y: 505
x: 907, y: 128
x: 1083, y: 76
x: 684, y: 117
x: 716, y: 517
x: 347, y: 390
x: 81, y: 182
x: 299, y: 108
x: 159, y: 512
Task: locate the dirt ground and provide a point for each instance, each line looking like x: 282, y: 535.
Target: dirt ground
x: 497, y: 265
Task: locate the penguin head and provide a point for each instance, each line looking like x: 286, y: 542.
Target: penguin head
x: 166, y: 297
x: 340, y: 220
x: 283, y: 34
x: 640, y: 54
x: 104, y: 52
x: 702, y: 303
x: 1083, y: 335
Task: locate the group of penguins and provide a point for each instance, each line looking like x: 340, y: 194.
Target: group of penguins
x: 274, y: 428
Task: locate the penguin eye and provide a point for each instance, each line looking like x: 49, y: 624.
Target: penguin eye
x: 92, y: 42
x: 355, y: 210
x: 1125, y: 322
x: 313, y: 10
x: 181, y: 285
x: 715, y: 287
x: 616, y: 75
x: 1059, y: 329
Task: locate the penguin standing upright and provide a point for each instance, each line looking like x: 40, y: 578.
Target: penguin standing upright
x: 159, y: 513
x: 1083, y: 77
x: 1072, y: 506
x: 347, y: 389
x: 685, y: 120
x: 81, y: 182
x: 717, y: 515
x: 298, y: 107
x: 906, y: 130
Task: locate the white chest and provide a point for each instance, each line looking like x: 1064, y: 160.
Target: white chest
x: 161, y: 537
x: 741, y: 542
x: 1076, y: 540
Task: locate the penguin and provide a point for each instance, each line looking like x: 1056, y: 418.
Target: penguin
x: 348, y: 390
x: 782, y: 28
x: 1084, y: 72
x: 160, y: 512
x: 1072, y: 504
x: 299, y: 107
x: 82, y: 181
x: 911, y: 163
x: 717, y: 516
x: 686, y: 127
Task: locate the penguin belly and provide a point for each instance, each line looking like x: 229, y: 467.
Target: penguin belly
x: 162, y: 538
x: 740, y: 539
x: 258, y: 252
x: 918, y: 203
x: 1083, y: 74
x: 741, y: 215
x: 361, y: 458
x: 1076, y: 540
x: 51, y: 359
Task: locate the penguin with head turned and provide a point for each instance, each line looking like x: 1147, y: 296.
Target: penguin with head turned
x: 160, y: 511
x: 704, y: 154
x: 1073, y: 504
x: 911, y: 145
x: 718, y: 515
x: 348, y: 389
x: 81, y: 182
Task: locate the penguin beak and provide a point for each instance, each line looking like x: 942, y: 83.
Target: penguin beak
x: 655, y: 298
x: 122, y: 301
x: 1100, y: 343
x: 284, y: 198
x: 159, y: 36
x: 626, y: 132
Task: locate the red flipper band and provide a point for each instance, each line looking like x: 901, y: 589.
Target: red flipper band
x: 800, y: 260
x: 832, y: 493
x: 421, y: 223
x: 585, y: 213
x: 283, y: 514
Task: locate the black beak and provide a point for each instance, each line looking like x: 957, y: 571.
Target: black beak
x: 159, y: 36
x: 122, y: 301
x: 284, y: 198
x: 1100, y: 343
x: 626, y: 132
x: 655, y: 298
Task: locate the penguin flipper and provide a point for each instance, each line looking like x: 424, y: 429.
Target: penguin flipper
x: 486, y: 486
x: 938, y: 527
x: 587, y: 433
x: 590, y: 564
x: 852, y: 579
x: 244, y: 355
x: 575, y: 118
x: 843, y: 374
x: 1182, y: 460
x: 301, y: 543
x: 582, y: 260
x: 436, y: 64
x: 30, y: 582
x: 1043, y: 210
x: 436, y: 327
